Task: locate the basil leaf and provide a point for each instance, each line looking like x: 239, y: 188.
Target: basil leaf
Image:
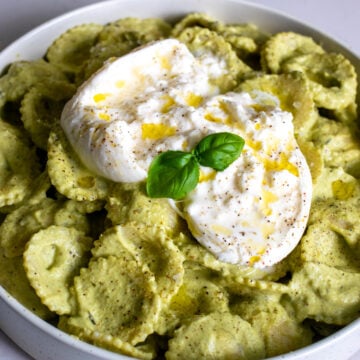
x: 172, y: 174
x: 219, y: 150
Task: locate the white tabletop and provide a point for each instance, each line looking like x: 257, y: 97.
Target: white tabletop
x: 337, y: 18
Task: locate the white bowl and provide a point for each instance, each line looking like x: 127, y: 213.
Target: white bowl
x: 40, y: 339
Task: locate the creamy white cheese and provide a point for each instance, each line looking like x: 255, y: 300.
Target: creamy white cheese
x: 255, y: 211
x: 136, y: 107
x: 160, y: 98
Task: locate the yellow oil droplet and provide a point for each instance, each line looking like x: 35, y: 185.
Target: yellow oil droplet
x: 267, y: 211
x: 100, y: 97
x: 193, y: 100
x: 156, y: 131
x: 257, y: 126
x: 207, y: 176
x: 254, y: 259
x: 255, y: 145
x: 120, y: 84
x: 280, y: 164
x: 221, y: 229
x: 212, y: 118
x: 165, y: 63
x: 260, y: 107
x: 342, y: 190
x: 169, y: 102
x: 224, y: 107
x: 266, y: 231
x: 215, y: 119
x: 224, y: 118
x: 104, y: 116
x: 267, y: 197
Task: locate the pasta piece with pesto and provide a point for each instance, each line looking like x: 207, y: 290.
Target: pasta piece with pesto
x: 69, y: 176
x: 347, y: 115
x: 18, y: 226
x: 201, y: 20
x: 22, y: 75
x: 52, y: 258
x: 314, y: 293
x: 281, y: 332
x: 127, y: 202
x: 341, y: 216
x: 147, y: 29
x: 148, y: 245
x: 334, y: 183
x: 247, y: 40
x: 322, y: 245
x: 115, y: 296
x: 330, y: 76
x: 237, y: 284
x: 284, y: 46
x: 245, y: 30
x: 19, y: 165
x: 216, y: 336
x: 13, y: 279
x: 41, y: 108
x: 119, y: 38
x: 199, y: 294
x: 193, y: 251
x: 39, y: 189
x: 339, y: 144
x: 71, y: 49
x: 115, y: 344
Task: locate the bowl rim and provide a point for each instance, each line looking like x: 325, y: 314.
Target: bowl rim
x: 11, y: 52
x: 306, y: 27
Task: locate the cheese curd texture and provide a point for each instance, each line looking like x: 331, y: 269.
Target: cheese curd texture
x: 255, y: 211
x: 136, y: 107
x: 160, y: 98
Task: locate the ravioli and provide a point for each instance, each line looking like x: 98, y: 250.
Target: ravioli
x: 99, y: 259
x: 126, y: 299
x: 51, y: 265
x: 206, y: 336
x: 18, y: 164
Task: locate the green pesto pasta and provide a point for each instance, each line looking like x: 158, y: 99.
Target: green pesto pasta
x: 112, y: 267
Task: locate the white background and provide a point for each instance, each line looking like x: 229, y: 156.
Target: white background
x: 337, y: 18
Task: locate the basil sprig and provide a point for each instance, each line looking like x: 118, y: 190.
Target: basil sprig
x: 173, y: 174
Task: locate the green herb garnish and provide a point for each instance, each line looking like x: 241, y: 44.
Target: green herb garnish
x: 173, y: 174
